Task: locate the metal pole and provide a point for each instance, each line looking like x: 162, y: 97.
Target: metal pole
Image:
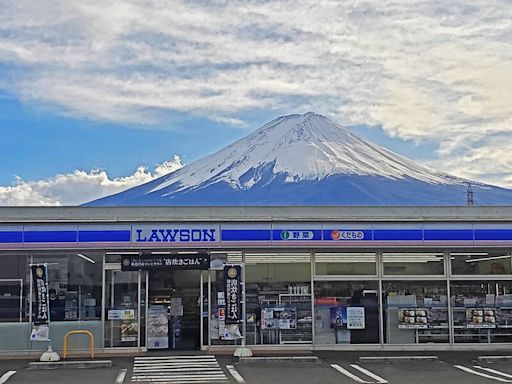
x: 244, y: 317
x: 201, y: 307
x: 209, y: 308
x: 103, y: 303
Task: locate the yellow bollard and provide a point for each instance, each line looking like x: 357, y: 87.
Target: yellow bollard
x: 78, y: 332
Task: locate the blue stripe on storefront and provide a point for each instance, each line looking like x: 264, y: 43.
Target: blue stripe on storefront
x: 99, y: 236
x: 448, y: 234
x: 11, y: 236
x: 493, y: 234
x: 397, y: 234
x: 246, y: 235
x: 50, y: 236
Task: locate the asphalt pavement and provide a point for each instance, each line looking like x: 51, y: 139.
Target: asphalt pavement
x: 331, y: 367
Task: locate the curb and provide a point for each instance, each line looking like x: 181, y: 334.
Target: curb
x: 279, y: 359
x: 70, y: 365
x: 390, y: 359
x: 491, y: 359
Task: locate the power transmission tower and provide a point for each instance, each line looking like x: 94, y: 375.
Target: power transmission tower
x: 469, y: 195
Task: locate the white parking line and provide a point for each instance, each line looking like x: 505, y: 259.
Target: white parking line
x: 469, y: 370
x: 6, y: 376
x: 494, y: 371
x: 120, y: 376
x: 348, y: 374
x: 239, y: 379
x: 368, y: 373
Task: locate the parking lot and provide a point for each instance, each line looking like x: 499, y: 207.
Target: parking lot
x: 331, y: 367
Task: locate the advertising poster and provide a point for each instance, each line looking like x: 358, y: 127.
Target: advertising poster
x: 279, y: 318
x: 412, y: 318
x: 481, y: 318
x: 41, y: 309
x: 232, y: 293
x: 338, y: 317
x: 158, y: 327
x: 355, y: 318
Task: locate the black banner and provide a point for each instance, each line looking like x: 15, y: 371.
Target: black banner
x: 232, y: 293
x: 41, y: 310
x: 156, y: 262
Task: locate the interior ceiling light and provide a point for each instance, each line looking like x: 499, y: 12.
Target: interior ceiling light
x: 487, y: 258
x: 86, y: 258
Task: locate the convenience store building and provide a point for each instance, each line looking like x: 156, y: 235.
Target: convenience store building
x: 373, y: 278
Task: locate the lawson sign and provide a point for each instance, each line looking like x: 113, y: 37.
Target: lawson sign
x: 172, y: 233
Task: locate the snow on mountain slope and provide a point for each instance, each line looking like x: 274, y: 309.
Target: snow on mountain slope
x: 304, y: 147
x: 305, y: 159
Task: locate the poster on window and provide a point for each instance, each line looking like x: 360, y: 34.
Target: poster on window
x: 279, y: 318
x: 412, y: 318
x: 158, y: 327
x: 481, y: 318
x: 232, y: 278
x: 355, y: 318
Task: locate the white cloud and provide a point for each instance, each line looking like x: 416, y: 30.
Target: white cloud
x: 423, y: 70
x: 80, y: 186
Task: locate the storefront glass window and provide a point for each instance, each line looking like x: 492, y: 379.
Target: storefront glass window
x: 345, y: 264
x: 75, y: 292
x: 415, y: 312
x: 346, y: 312
x: 482, y: 311
x: 413, y: 263
x: 74, y: 284
x: 278, y: 295
x: 481, y: 263
x: 14, y: 288
x: 14, y: 303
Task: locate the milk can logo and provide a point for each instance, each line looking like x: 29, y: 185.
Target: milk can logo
x: 285, y: 235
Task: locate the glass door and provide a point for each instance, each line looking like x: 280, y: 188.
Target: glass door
x: 123, y: 301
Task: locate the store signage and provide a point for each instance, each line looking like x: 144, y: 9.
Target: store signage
x: 347, y: 235
x: 232, y: 279
x: 175, y: 235
x: 355, y: 318
x: 41, y: 310
x: 155, y: 262
x: 297, y: 235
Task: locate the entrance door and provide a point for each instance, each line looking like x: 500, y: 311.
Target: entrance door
x: 177, y: 294
x: 124, y: 299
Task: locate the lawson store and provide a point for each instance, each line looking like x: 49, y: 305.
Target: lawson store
x: 211, y: 278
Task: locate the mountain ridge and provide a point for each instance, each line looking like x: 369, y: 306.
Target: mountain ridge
x: 313, y: 161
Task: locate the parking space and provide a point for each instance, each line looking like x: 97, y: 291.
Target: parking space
x: 331, y: 368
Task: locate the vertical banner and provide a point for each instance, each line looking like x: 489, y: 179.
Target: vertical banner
x: 41, y: 308
x: 232, y: 293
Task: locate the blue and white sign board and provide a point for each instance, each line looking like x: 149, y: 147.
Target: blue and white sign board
x: 215, y: 235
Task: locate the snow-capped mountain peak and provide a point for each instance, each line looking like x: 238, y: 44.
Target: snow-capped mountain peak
x: 299, y: 147
x: 305, y: 160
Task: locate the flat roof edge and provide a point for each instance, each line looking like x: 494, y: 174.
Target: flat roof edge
x: 253, y: 213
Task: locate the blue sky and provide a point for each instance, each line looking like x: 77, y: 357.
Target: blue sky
x: 92, y: 91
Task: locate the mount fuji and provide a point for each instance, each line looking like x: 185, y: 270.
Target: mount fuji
x: 305, y: 160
